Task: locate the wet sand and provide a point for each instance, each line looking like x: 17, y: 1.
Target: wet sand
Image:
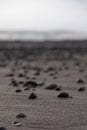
x: 47, y: 112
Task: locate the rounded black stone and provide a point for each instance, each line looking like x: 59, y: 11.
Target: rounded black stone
x: 41, y: 84
x: 81, y: 89
x: 21, y: 115
x: 51, y: 86
x: 81, y: 81
x: 18, y: 91
x: 30, y: 83
x: 14, y: 83
x: 59, y: 88
x: 2, y: 128
x: 63, y: 95
x: 21, y: 75
x: 37, y: 73
x: 32, y: 96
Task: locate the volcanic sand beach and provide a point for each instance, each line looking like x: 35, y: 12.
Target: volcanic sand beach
x: 47, y: 111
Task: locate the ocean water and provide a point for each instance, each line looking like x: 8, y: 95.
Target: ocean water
x: 48, y: 39
x: 41, y: 36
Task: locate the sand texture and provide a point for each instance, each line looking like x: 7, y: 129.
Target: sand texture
x: 47, y: 111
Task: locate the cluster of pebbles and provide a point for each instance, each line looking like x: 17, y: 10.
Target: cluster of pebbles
x: 21, y: 79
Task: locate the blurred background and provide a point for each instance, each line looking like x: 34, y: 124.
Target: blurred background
x: 43, y: 20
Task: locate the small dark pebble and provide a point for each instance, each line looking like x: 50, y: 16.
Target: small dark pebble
x: 10, y: 75
x: 59, y: 88
x: 2, y: 128
x: 30, y: 83
x: 41, y: 84
x: 37, y: 73
x: 21, y: 115
x: 18, y: 91
x: 21, y: 75
x: 81, y: 89
x: 24, y: 67
x: 26, y: 88
x: 51, y: 86
x: 64, y: 95
x: 66, y: 67
x: 21, y: 82
x: 55, y: 77
x: 49, y: 69
x: 32, y: 96
x: 14, y: 83
x: 81, y: 70
x: 77, y: 64
x: 81, y: 81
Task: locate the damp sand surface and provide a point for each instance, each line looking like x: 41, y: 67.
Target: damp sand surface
x: 47, y: 111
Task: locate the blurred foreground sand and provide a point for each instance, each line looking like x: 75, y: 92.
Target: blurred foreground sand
x: 47, y: 111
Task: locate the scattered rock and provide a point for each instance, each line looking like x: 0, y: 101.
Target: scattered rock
x: 59, y: 88
x: 51, y: 86
x: 49, y: 69
x: 81, y: 70
x: 81, y: 89
x: 81, y: 81
x: 21, y: 75
x: 51, y: 74
x: 18, y: 91
x: 30, y: 84
x: 14, y: 83
x: 2, y: 128
x: 10, y: 75
x: 16, y: 123
x: 24, y: 67
x: 41, y: 84
x: 32, y: 96
x: 21, y: 115
x: 66, y: 67
x: 64, y: 95
x: 77, y: 63
x: 37, y: 73
x: 54, y: 77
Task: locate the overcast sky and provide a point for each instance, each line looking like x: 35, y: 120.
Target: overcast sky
x: 43, y: 15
